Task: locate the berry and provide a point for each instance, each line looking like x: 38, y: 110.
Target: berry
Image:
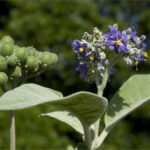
x: 48, y: 58
x: 6, y: 49
x: 3, y: 63
x: 32, y: 63
x: 38, y: 54
x: 54, y: 58
x: 21, y: 54
x: 16, y: 72
x: 7, y: 39
x: 31, y: 51
x: 3, y: 78
x: 12, y: 60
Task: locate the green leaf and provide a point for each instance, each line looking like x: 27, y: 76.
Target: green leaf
x: 133, y: 93
x: 67, y: 117
x: 27, y: 95
x: 86, y: 106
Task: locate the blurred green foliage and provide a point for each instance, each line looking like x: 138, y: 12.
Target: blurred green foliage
x: 53, y: 25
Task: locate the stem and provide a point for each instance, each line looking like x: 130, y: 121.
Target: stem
x: 102, y: 137
x: 88, y: 138
x: 104, y: 82
x: 106, y: 76
x: 101, y: 88
x: 12, y: 131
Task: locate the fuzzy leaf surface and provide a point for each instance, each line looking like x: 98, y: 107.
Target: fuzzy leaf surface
x: 132, y: 94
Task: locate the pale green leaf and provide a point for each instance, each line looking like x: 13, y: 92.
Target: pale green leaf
x: 132, y: 94
x: 88, y: 107
x: 67, y: 117
x: 27, y: 95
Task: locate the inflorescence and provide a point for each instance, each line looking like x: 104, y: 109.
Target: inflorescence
x: 93, y: 51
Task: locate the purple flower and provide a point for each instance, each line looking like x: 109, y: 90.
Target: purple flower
x: 133, y: 37
x: 82, y: 68
x: 144, y: 45
x: 92, y: 57
x: 106, y: 62
x: 116, y: 40
x: 111, y: 71
x: 140, y: 59
x: 79, y: 47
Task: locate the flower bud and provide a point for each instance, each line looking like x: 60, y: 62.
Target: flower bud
x: 32, y: 63
x: 12, y: 60
x: 87, y: 37
x: 16, y: 72
x: 7, y: 39
x: 6, y: 49
x: 21, y: 54
x: 3, y: 63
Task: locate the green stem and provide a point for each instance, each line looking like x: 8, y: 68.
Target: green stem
x: 12, y: 131
x: 88, y: 137
x: 101, y: 87
x: 102, y: 137
x: 104, y: 82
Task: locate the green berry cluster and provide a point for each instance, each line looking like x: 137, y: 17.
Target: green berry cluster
x: 17, y: 63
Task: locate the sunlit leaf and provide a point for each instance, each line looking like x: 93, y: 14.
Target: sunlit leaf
x: 86, y: 106
x: 132, y: 94
x: 67, y: 117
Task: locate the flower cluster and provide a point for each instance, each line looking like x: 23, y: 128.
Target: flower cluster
x: 93, y: 51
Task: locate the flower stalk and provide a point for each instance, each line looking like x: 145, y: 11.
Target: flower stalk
x: 12, y: 131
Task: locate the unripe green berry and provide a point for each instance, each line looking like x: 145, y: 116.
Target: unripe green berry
x: 7, y: 39
x: 31, y: 51
x: 38, y: 54
x: 48, y: 58
x: 12, y: 60
x: 16, y: 72
x: 54, y: 58
x: 3, y: 78
x: 6, y: 49
x: 32, y: 63
x: 3, y: 63
x: 15, y: 47
x: 21, y: 54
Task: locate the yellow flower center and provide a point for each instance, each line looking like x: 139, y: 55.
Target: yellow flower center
x: 118, y: 41
x: 145, y: 54
x: 136, y: 62
x: 81, y: 49
x: 91, y: 57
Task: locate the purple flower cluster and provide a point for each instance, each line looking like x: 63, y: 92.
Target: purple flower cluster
x: 127, y: 43
x: 92, y: 51
x: 87, y: 58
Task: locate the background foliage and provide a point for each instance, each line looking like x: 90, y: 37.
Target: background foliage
x: 53, y: 25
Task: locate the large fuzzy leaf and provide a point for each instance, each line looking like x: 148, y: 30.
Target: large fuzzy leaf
x: 86, y: 106
x: 27, y: 95
x: 132, y: 94
x: 67, y: 117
